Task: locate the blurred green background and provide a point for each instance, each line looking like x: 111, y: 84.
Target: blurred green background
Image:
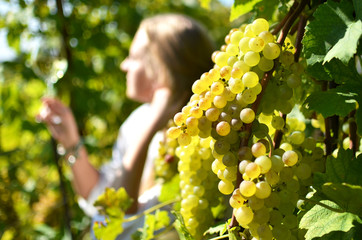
x: 94, y: 37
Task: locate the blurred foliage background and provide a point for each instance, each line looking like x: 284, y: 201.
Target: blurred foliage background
x: 95, y: 37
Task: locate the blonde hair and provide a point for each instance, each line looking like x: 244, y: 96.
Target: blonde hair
x: 179, y: 51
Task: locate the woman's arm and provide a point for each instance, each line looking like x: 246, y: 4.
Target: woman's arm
x: 66, y: 133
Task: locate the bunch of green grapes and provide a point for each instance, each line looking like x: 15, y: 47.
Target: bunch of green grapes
x: 274, y: 183
x: 199, y: 193
x: 264, y: 183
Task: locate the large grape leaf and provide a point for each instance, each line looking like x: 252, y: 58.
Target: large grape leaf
x: 240, y: 7
x: 343, y: 169
x: 332, y: 102
x: 348, y: 197
x: 334, y: 70
x: 350, y: 39
x: 321, y: 221
x: 332, y: 29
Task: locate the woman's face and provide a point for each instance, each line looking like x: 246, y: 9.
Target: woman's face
x: 140, y: 86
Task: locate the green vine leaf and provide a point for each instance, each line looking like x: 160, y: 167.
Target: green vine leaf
x: 181, y: 227
x: 336, y: 71
x: 332, y: 29
x: 343, y: 169
x: 149, y: 227
x: 162, y: 219
x: 332, y: 102
x: 240, y: 7
x: 320, y: 221
x: 111, y: 230
x: 352, y: 234
x: 111, y: 199
x: 219, y: 229
x: 345, y: 195
x: 234, y: 233
x: 351, y: 37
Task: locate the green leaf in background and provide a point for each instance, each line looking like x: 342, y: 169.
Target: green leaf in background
x: 149, y: 227
x: 348, y: 197
x: 266, y: 8
x: 343, y: 169
x: 320, y: 221
x: 333, y: 22
x: 332, y: 102
x: 109, y: 231
x: 181, y: 227
x: 162, y: 219
x: 240, y: 7
x: 170, y: 190
x: 358, y: 8
x: 205, y: 3
x: 112, y: 198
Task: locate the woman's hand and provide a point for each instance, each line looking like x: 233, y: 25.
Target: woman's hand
x: 60, y: 122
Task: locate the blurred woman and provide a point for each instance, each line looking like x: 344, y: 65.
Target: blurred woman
x: 169, y: 52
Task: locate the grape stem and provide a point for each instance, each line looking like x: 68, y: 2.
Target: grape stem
x: 152, y: 209
x: 279, y: 133
x: 271, y: 145
x: 298, y: 47
x: 323, y: 205
x: 67, y: 212
x: 291, y: 20
x: 299, y: 38
x: 277, y: 29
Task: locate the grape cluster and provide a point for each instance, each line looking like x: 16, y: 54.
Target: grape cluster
x: 265, y: 183
x: 197, y: 182
x: 166, y: 161
x: 274, y: 182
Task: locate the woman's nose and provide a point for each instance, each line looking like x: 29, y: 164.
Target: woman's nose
x: 124, y: 65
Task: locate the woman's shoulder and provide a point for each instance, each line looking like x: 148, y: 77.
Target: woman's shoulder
x: 141, y: 111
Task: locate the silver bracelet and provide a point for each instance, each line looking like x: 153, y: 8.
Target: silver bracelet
x: 73, y: 153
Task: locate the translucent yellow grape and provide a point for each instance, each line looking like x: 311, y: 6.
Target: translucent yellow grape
x: 259, y: 25
x: 221, y: 59
x: 251, y: 58
x: 256, y: 44
x: 271, y: 51
x: 250, y: 79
